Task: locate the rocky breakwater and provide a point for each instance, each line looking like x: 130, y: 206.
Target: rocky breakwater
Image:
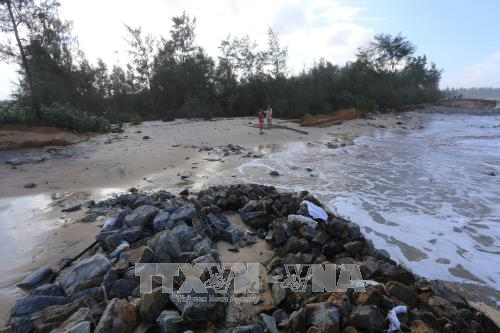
x: 101, y: 293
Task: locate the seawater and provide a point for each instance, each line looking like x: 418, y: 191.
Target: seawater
x: 424, y: 195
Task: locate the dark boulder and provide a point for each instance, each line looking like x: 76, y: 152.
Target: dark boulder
x: 37, y: 278
x: 141, y: 216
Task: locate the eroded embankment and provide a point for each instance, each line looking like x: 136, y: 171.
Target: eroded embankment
x: 100, y: 291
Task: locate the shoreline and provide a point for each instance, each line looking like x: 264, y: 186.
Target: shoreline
x: 170, y: 147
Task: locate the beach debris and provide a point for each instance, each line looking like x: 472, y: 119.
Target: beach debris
x: 29, y: 185
x: 27, y: 160
x: 146, y: 137
x: 184, y: 174
x: 316, y: 212
x: 72, y: 207
x: 274, y: 173
x: 395, y: 325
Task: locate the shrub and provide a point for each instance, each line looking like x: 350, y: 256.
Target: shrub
x: 64, y: 116
x: 135, y: 120
x: 61, y: 116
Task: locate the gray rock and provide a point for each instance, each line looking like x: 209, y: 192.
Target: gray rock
x: 34, y: 303
x: 251, y: 206
x: 78, y: 322
x: 185, y: 213
x: 119, y: 316
x: 253, y: 328
x: 95, y: 293
x: 269, y: 322
x: 204, y: 246
x: 231, y: 235
x: 201, y: 311
x: 167, y: 321
x: 439, y: 289
x: 256, y: 220
x: 132, y: 234
x: 184, y: 236
x: 152, y: 304
x: 141, y: 216
x: 354, y: 248
x: 49, y: 289
x: 274, y: 173
x: 217, y: 222
x: 279, y: 294
x: 72, y: 207
x: 142, y: 254
x: 81, y: 327
x: 84, y: 270
x: 368, y: 318
x: 402, y: 292
x: 161, y: 221
x: 29, y: 185
x: 122, y: 288
x: 142, y: 200
x: 167, y: 249
x: 37, y: 278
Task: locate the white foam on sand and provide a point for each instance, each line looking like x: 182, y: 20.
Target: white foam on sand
x: 425, y: 196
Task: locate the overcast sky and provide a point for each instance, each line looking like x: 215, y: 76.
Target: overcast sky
x: 461, y: 36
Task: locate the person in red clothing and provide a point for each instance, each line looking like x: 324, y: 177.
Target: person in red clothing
x: 261, y: 122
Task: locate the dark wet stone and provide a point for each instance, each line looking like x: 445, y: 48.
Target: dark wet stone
x: 122, y: 288
x: 142, y: 200
x: 369, y: 318
x: 274, y: 173
x: 96, y: 293
x: 185, y: 213
x: 402, y: 292
x: 439, y: 289
x: 119, y: 316
x: 73, y: 207
x: 37, y: 278
x: 259, y: 219
x: 161, y: 221
x: 231, y: 235
x: 167, y: 321
x: 253, y: 328
x: 354, y: 248
x: 83, y: 271
x: 269, y: 323
x: 141, y: 216
x: 152, y: 304
x: 34, y: 303
x: 29, y: 185
x: 184, y: 236
x: 49, y: 289
x: 132, y: 234
x: 204, y: 246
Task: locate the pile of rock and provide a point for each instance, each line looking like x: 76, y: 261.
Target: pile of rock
x: 100, y: 292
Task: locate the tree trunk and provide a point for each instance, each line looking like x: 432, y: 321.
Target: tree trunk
x: 34, y: 101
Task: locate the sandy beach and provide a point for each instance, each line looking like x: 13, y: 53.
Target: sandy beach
x: 35, y: 232
x: 178, y: 155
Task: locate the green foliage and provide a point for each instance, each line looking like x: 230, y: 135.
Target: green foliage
x: 135, y: 120
x: 172, y: 77
x: 61, y: 116
x: 13, y: 113
x: 64, y: 116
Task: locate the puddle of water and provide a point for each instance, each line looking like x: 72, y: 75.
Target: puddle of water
x: 34, y: 232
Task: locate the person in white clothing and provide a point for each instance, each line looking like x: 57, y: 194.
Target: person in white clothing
x: 269, y: 116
